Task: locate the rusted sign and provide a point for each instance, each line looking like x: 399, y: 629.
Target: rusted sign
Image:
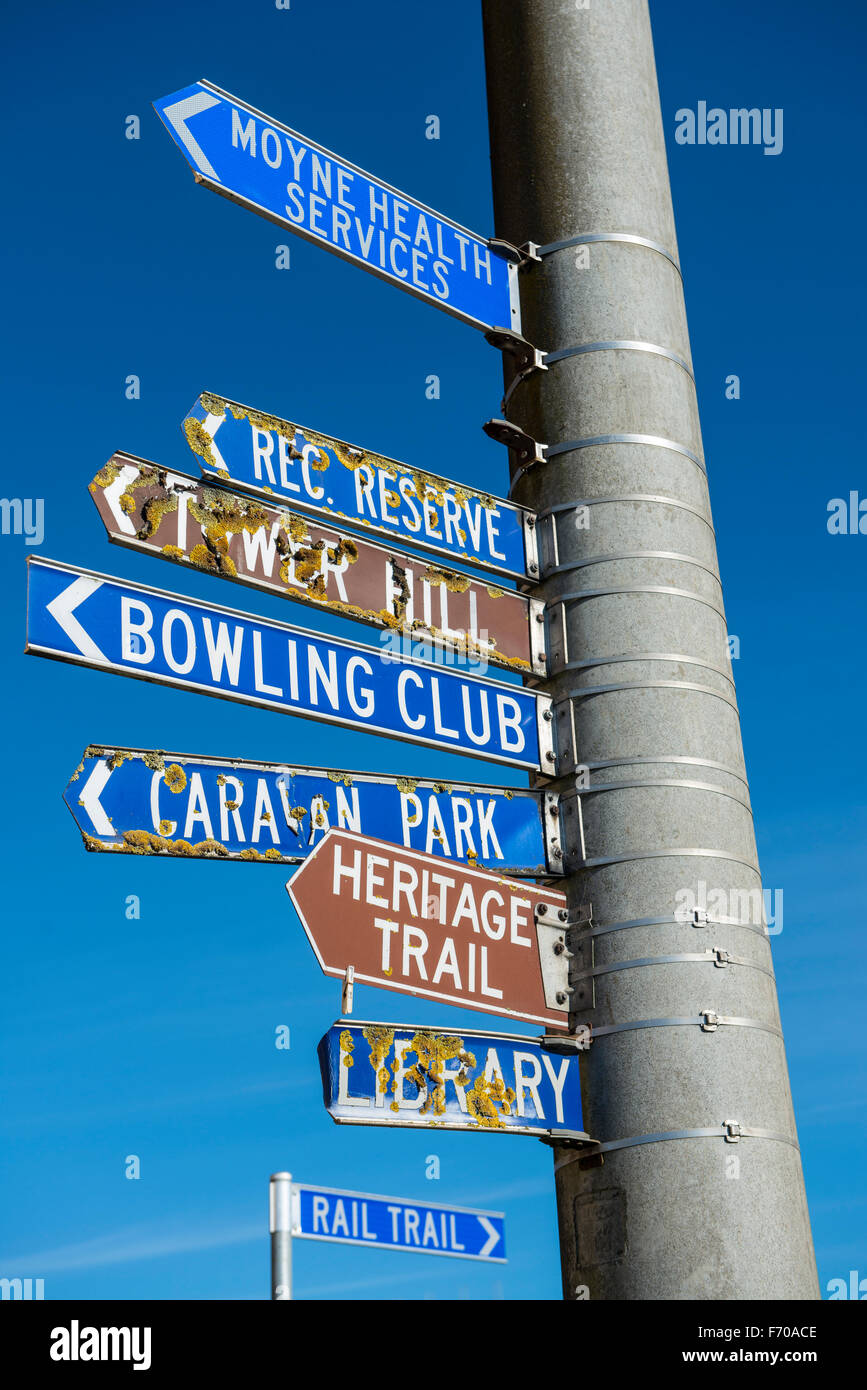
x: 148, y: 801
x: 438, y: 1078
x: 252, y: 541
x: 406, y: 921
x: 341, y: 482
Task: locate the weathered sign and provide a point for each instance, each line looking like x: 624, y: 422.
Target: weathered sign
x: 422, y: 605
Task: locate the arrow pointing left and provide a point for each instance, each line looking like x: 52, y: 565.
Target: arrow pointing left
x: 177, y: 117
x: 89, y: 798
x: 62, y: 609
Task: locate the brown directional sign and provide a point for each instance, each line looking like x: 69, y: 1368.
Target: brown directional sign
x: 180, y: 518
x: 408, y: 921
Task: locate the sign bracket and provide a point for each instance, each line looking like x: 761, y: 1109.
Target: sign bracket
x: 527, y: 451
x: 347, y: 991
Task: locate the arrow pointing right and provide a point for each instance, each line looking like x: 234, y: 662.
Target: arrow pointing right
x: 493, y: 1236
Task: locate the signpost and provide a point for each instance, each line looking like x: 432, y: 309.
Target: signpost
x: 423, y: 1078
x: 395, y: 1223
x: 318, y: 473
x: 111, y: 625
x: 402, y: 921
x: 253, y: 542
x: 269, y: 168
x: 137, y: 801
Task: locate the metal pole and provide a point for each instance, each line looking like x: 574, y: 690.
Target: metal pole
x: 647, y: 728
x: 280, y: 1195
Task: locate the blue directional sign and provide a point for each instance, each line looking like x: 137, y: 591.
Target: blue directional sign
x: 95, y: 620
x: 437, y: 1078
x: 139, y: 801
x: 278, y: 459
x: 394, y: 1223
x: 272, y: 170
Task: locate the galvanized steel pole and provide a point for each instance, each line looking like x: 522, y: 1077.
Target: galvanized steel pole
x: 700, y: 1194
x: 280, y: 1210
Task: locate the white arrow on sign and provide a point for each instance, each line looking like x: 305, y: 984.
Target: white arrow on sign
x: 211, y: 424
x: 493, y: 1236
x: 63, y: 608
x: 113, y: 494
x: 179, y: 114
x: 90, y: 794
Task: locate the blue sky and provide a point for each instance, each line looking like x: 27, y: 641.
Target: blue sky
x: 156, y: 1037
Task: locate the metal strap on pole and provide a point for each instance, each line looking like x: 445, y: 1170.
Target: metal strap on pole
x: 581, y: 692
x: 664, y: 782
x: 657, y: 441
x: 697, y: 919
x: 620, y: 658
x: 541, y: 252
x: 713, y: 956
x: 550, y: 451
x: 617, y: 345
x: 673, y: 853
x: 614, y: 555
x: 657, y: 498
x: 731, y: 1132
x: 708, y: 1021
x: 665, y: 759
x: 579, y: 595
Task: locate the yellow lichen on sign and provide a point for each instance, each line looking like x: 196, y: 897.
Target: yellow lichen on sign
x: 175, y: 778
x: 433, y: 1050
x: 347, y: 1046
x: 117, y: 759
x: 199, y: 440
x: 406, y: 784
x: 108, y: 474
x: 380, y: 1039
x: 489, y: 1100
x: 454, y: 582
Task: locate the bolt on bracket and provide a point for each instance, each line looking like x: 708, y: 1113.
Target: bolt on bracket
x: 577, y: 1041
x: 551, y: 822
x: 526, y: 449
x: 554, y: 957
x: 518, y: 255
x: 527, y: 357
x: 582, y: 958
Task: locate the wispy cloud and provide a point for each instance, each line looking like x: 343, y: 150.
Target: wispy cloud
x: 189, y: 1101
x: 529, y: 1187
x: 133, y: 1243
